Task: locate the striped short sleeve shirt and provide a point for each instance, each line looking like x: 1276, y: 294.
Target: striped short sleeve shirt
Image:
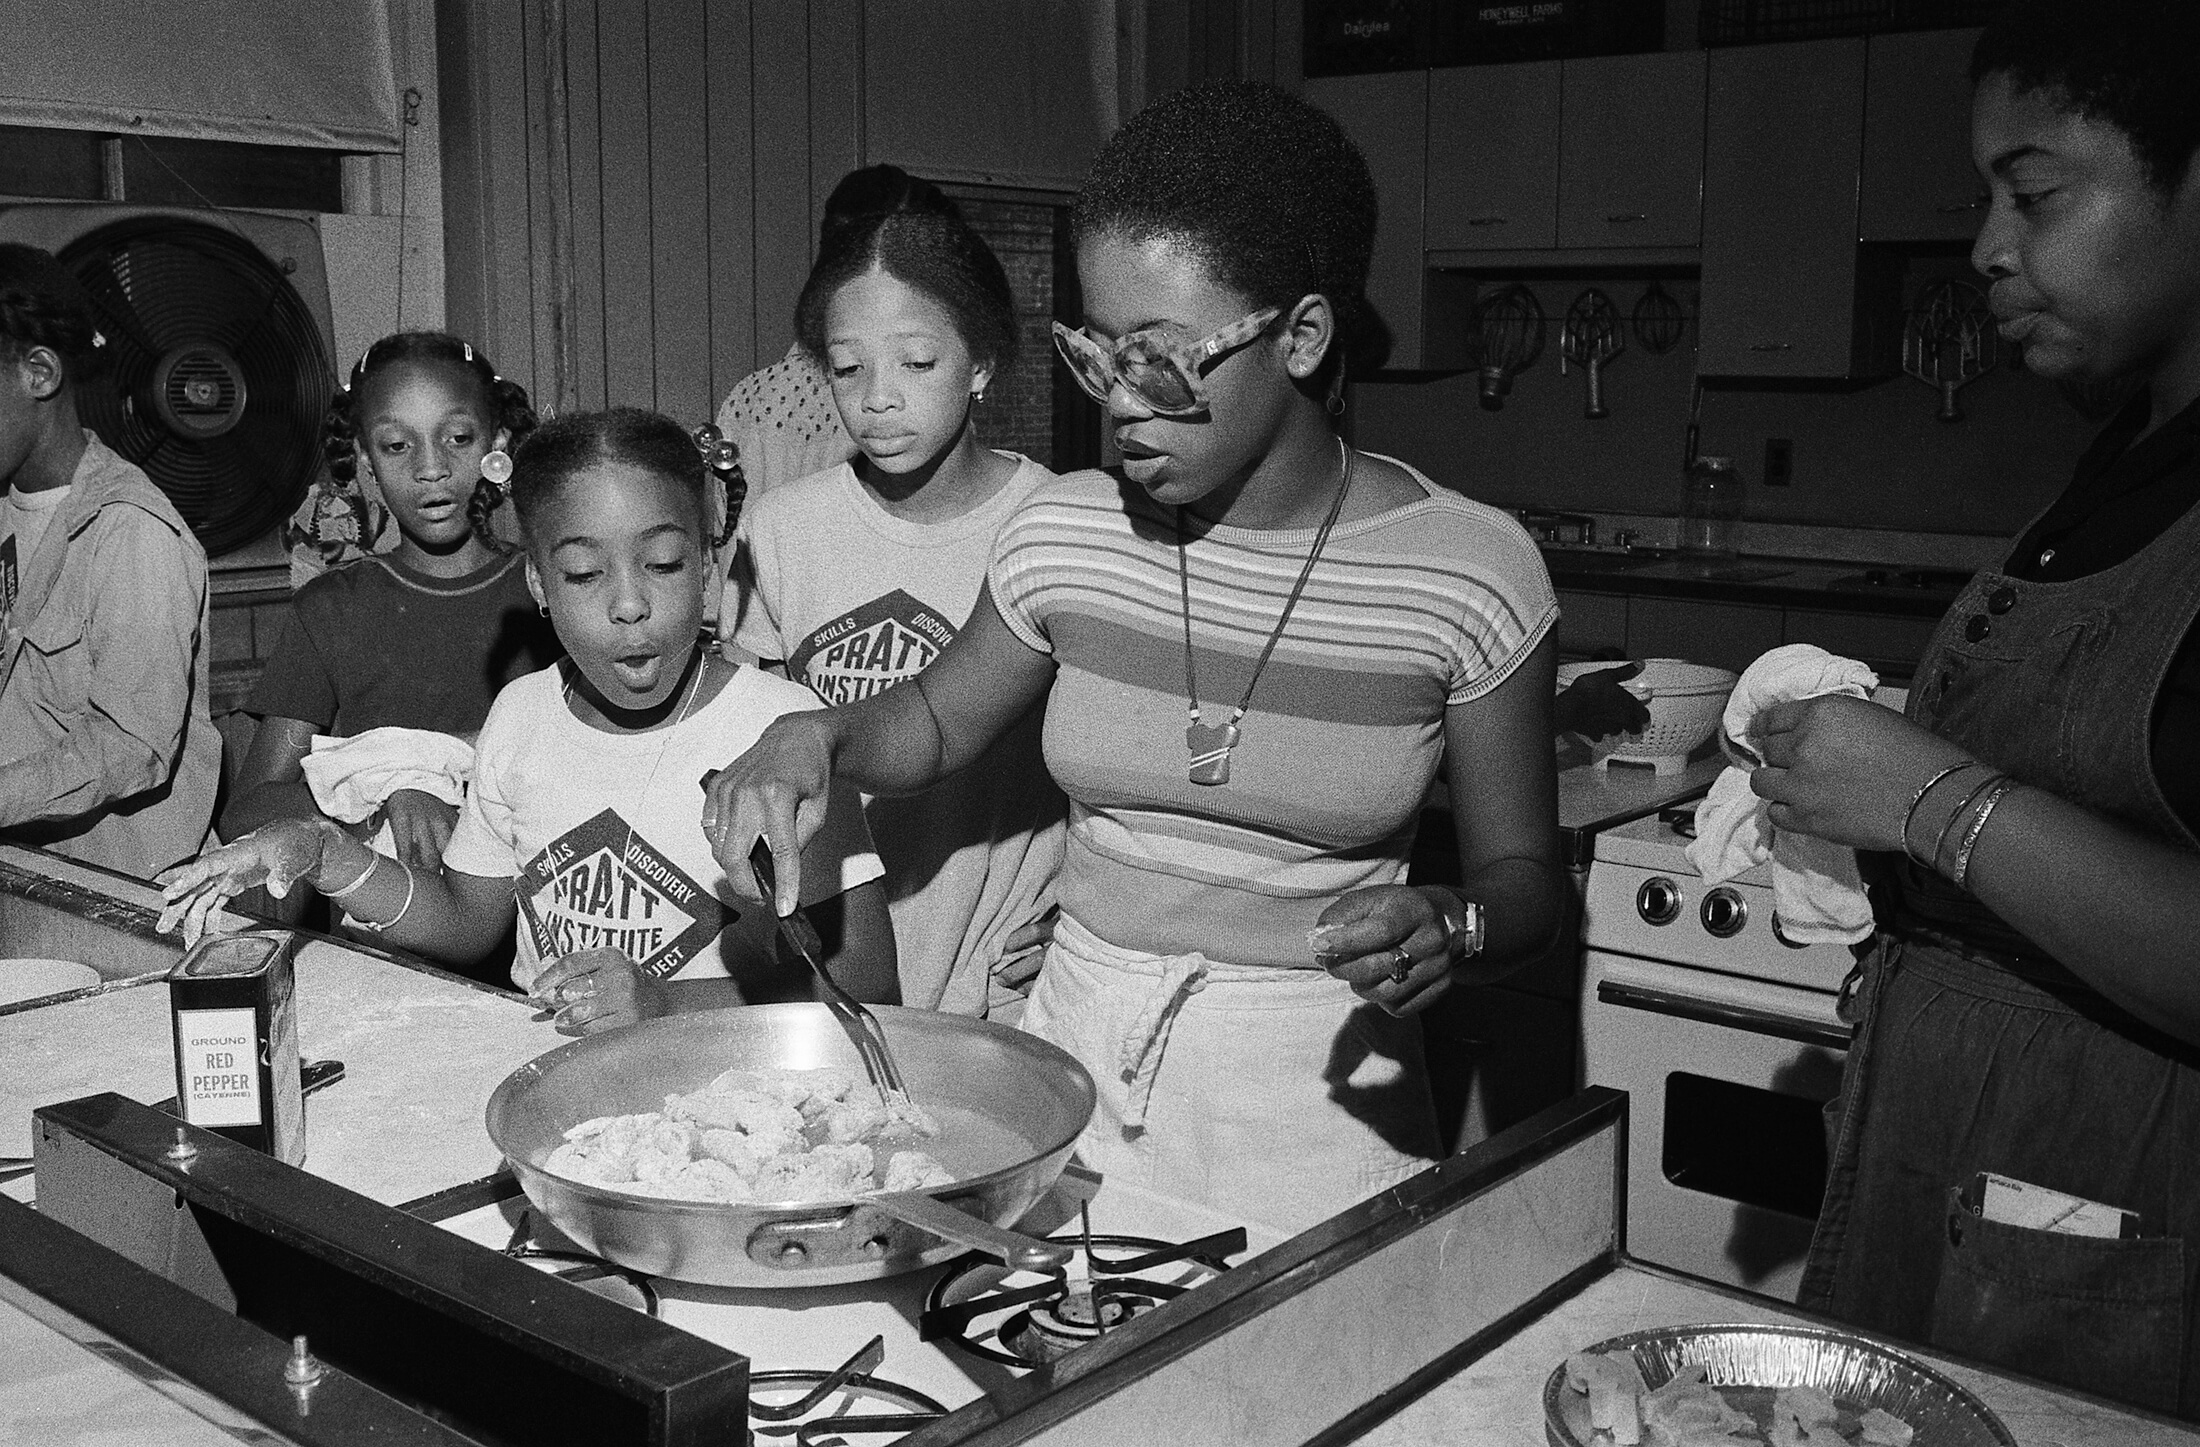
x: 1429, y: 604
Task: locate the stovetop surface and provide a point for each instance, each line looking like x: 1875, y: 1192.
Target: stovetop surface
x: 816, y: 1328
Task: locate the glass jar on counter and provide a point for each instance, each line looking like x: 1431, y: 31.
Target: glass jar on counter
x: 1711, y: 501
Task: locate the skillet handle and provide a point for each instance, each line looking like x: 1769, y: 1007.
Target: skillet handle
x: 1011, y: 1249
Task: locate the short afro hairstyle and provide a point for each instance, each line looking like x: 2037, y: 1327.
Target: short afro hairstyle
x: 938, y: 255
x: 1264, y: 187
x: 2129, y: 63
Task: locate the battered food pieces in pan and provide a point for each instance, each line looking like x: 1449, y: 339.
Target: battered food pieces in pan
x: 777, y: 1136
x: 1689, y: 1412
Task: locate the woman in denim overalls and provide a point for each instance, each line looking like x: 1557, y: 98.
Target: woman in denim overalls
x: 2033, y: 1001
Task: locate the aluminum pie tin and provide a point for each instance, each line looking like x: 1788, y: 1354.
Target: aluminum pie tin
x: 1854, y: 1372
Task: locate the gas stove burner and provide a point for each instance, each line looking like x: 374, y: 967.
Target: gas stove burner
x: 589, y: 1273
x: 815, y: 1409
x: 1029, y: 1319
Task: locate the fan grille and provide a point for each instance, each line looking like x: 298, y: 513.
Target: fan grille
x: 218, y: 379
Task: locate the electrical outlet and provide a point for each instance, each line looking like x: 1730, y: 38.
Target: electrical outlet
x: 1779, y: 461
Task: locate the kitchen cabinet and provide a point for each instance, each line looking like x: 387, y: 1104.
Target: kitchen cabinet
x: 1493, y: 147
x: 1630, y: 152
x: 1787, y: 291
x: 1725, y: 635
x: 1918, y: 180
x: 1890, y: 646
x: 1589, y: 154
x: 1590, y: 624
x: 1423, y: 312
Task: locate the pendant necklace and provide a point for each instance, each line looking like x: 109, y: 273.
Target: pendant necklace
x: 1210, y: 746
x: 694, y: 687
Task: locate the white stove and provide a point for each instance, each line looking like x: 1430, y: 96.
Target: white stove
x: 795, y: 1337
x: 1727, y: 1039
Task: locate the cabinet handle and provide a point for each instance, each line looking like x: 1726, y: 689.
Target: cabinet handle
x: 1626, y: 217
x: 1772, y: 346
x: 1976, y: 203
x: 1488, y: 221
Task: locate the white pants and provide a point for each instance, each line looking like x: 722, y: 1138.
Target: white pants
x: 1271, y: 1095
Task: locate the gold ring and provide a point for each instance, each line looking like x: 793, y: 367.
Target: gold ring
x: 1401, y: 964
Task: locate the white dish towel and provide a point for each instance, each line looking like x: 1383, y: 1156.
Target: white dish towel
x: 352, y: 777
x: 1817, y: 894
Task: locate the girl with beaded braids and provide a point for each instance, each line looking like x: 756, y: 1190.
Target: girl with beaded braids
x: 394, y: 659
x: 107, y: 752
x: 1253, y: 643
x: 582, y: 822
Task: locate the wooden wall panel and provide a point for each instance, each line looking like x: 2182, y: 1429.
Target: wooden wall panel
x: 679, y: 213
x: 785, y: 216
x: 622, y: 108
x: 731, y: 158
x: 583, y: 306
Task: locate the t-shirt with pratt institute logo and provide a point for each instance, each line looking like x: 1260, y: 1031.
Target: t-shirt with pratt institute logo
x: 856, y: 600
x: 871, y: 649
x: 602, y: 837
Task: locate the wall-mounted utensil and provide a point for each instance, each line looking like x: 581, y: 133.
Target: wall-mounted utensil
x: 1509, y: 334
x: 1949, y: 341
x: 1660, y: 324
x: 1592, y: 336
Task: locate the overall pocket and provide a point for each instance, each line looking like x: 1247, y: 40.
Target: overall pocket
x: 2100, y: 1315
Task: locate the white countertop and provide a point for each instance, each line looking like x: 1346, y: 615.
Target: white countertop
x: 421, y: 1055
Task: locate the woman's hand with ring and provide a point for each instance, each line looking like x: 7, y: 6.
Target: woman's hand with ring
x: 1389, y: 943
x: 598, y: 989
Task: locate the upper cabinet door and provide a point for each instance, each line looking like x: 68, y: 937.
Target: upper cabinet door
x: 1493, y: 157
x: 1387, y: 115
x: 1630, y: 159
x: 1919, y: 184
x: 1783, y: 139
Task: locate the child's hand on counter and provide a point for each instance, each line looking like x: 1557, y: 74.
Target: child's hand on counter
x: 598, y: 989
x: 277, y: 855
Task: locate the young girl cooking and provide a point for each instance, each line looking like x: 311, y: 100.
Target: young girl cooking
x: 419, y: 638
x: 2031, y: 1012
x: 1253, y: 644
x: 585, y: 794
x: 856, y: 577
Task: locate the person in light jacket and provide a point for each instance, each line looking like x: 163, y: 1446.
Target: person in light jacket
x: 107, y: 751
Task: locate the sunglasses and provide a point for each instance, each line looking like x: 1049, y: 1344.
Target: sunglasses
x: 1164, y: 375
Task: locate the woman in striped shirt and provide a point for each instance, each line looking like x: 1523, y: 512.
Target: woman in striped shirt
x: 1255, y: 644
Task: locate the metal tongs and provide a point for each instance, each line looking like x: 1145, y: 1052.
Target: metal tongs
x: 801, y: 937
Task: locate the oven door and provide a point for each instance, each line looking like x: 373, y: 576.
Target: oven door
x: 1726, y: 1079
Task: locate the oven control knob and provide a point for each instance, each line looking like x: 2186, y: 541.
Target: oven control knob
x: 1724, y: 913
x: 1658, y: 901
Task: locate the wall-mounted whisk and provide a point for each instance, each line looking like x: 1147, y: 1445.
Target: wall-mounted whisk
x: 1949, y: 341
x: 1509, y: 334
x: 1591, y: 338
x: 1660, y: 324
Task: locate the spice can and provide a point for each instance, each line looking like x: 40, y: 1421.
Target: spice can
x: 233, y: 999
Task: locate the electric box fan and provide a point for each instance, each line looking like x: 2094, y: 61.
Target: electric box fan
x: 218, y: 351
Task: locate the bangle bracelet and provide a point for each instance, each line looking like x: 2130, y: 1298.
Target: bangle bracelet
x: 1940, y: 841
x: 373, y: 858
x: 1962, y: 869
x: 378, y: 927
x: 1910, y: 817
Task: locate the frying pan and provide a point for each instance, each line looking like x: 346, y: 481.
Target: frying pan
x: 1011, y: 1107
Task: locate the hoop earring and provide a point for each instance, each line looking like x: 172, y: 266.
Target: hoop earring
x: 978, y: 397
x: 543, y: 609
x: 496, y: 468
x: 1335, y: 404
